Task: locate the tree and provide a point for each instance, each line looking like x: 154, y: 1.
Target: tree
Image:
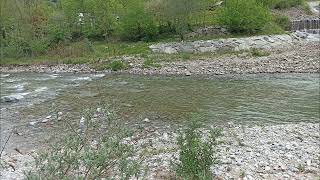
x: 178, y: 13
x: 136, y: 23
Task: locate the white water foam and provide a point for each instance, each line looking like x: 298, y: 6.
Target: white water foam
x: 53, y: 76
x: 4, y: 75
x: 99, y: 75
x: 41, y: 89
x: 19, y: 87
x: 82, y: 79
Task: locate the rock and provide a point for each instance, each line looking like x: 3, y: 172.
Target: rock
x: 9, y: 99
x: 33, y: 123
x: 82, y: 124
x: 146, y: 120
x: 170, y: 50
x: 188, y: 73
x: 308, y: 162
x: 267, y: 168
x: 45, y: 121
x: 165, y: 136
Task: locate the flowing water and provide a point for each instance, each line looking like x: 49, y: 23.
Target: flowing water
x: 264, y: 98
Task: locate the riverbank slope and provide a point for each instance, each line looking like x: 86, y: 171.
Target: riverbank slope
x: 301, y: 58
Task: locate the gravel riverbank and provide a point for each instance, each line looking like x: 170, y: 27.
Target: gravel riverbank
x: 302, y: 58
x: 287, y: 151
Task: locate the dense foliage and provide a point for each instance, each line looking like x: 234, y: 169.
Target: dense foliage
x: 244, y: 16
x: 31, y: 28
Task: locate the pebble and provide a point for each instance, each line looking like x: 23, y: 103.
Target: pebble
x: 146, y: 120
x: 45, y: 121
x: 301, y: 58
x: 188, y: 73
x: 33, y: 123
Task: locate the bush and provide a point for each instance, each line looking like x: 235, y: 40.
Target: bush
x: 243, y: 16
x: 117, y: 65
x: 196, y: 156
x: 92, y: 148
x: 137, y: 24
x: 271, y: 28
x: 282, y: 21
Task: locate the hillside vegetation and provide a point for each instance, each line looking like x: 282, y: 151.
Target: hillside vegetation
x: 77, y: 28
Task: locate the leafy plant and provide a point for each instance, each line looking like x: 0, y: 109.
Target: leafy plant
x: 243, y: 16
x: 92, y: 148
x: 196, y: 155
x: 137, y: 24
x: 117, y: 65
x: 178, y: 12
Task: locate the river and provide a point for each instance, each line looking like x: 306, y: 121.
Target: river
x: 29, y: 98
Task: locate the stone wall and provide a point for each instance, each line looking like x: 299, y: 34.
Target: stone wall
x: 235, y: 44
x: 306, y: 24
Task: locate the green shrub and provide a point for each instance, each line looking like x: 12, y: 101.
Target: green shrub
x: 91, y: 148
x: 117, y: 65
x: 196, y: 156
x: 243, y: 16
x: 272, y: 28
x: 282, y: 21
x: 185, y: 56
x: 137, y: 24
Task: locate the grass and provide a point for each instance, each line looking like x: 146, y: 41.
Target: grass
x: 100, y: 54
x: 101, y: 50
x: 117, y: 65
x: 149, y: 63
x: 259, y: 53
